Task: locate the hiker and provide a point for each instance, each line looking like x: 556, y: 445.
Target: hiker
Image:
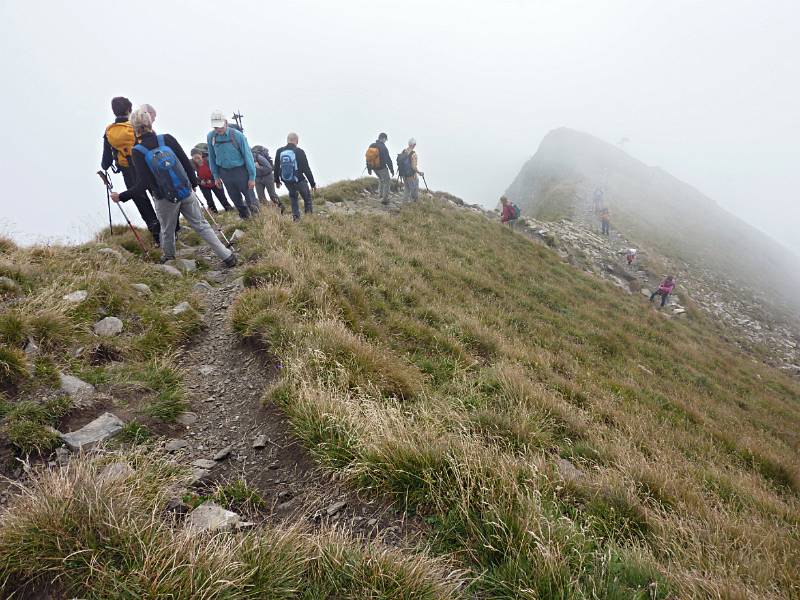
x: 265, y: 180
x: 605, y: 221
x: 118, y: 141
x: 664, y: 289
x: 293, y: 170
x: 598, y: 199
x: 630, y: 256
x: 379, y: 160
x: 231, y: 163
x: 206, y: 180
x: 163, y: 167
x: 510, y: 211
x: 407, y: 169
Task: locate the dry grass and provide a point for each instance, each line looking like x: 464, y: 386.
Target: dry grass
x: 444, y: 360
x: 77, y: 533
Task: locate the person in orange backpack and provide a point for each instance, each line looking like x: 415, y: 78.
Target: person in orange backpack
x: 118, y: 143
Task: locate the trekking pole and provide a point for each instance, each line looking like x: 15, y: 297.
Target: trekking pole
x: 108, y: 201
x: 228, y: 243
x: 109, y: 186
x: 426, y: 184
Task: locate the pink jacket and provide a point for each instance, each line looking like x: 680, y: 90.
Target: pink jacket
x: 666, y: 287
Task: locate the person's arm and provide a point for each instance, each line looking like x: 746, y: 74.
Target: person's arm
x: 244, y: 147
x: 277, y: 171
x: 141, y: 169
x: 212, y: 157
x: 108, y: 155
x: 387, y: 159
x: 305, y: 168
x: 184, y: 160
x: 413, y: 163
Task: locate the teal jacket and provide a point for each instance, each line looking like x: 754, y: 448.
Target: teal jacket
x: 228, y: 151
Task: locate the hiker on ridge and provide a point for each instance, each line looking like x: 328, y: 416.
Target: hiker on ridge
x: 407, y: 169
x: 294, y: 171
x: 605, y: 221
x: 630, y: 256
x: 231, y: 163
x: 509, y: 211
x: 163, y: 167
x: 265, y: 180
x: 379, y: 160
x: 664, y: 289
x: 206, y: 180
x: 118, y: 141
x: 598, y: 199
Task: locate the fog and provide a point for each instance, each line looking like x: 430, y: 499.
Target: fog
x: 707, y: 91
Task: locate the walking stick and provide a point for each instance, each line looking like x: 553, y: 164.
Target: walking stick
x: 426, y: 184
x: 228, y: 243
x: 108, y: 202
x: 109, y: 186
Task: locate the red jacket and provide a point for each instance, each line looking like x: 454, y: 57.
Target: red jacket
x: 508, y: 213
x: 204, y: 175
x: 666, y: 287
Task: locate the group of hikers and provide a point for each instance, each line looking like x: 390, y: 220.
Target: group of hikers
x: 156, y: 163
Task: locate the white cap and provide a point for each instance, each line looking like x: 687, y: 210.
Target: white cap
x: 217, y: 119
x: 412, y: 142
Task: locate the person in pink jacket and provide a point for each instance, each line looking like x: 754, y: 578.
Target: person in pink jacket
x: 664, y: 290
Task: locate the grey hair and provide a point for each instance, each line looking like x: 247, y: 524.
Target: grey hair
x: 141, y: 121
x: 292, y: 138
x: 412, y: 142
x: 149, y: 108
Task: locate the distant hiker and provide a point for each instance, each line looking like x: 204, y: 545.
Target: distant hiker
x: 511, y: 211
x: 598, y: 199
x: 605, y: 221
x: 118, y: 141
x: 163, y: 167
x: 630, y: 256
x: 664, y: 290
x: 407, y: 169
x: 379, y: 160
x: 231, y: 163
x: 206, y: 180
x: 265, y: 179
x: 294, y: 171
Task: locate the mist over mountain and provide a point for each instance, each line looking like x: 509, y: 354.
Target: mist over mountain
x: 658, y: 211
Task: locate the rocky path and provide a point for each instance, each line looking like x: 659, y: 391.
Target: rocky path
x: 229, y: 434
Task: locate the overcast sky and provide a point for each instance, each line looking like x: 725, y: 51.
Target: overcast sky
x: 709, y: 91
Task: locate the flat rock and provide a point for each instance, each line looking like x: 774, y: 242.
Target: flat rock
x: 108, y: 327
x: 80, y: 391
x: 185, y: 265
x: 175, y: 445
x: 204, y: 463
x: 199, y: 476
x: 31, y: 349
x: 187, y: 418
x: 110, y: 252
x: 102, y: 428
x: 645, y: 369
x: 237, y: 235
x: 567, y: 470
x: 202, y: 287
x: 77, y: 296
x: 224, y: 453
x: 9, y: 285
x: 169, y: 270
x: 210, y: 516
x: 335, y: 508
x: 216, y: 276
x: 206, y: 370
x: 142, y: 288
x: 181, y: 308
x: 260, y: 441
x: 116, y: 471
x: 645, y: 292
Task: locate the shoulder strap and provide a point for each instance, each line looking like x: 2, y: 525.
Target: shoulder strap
x: 160, y: 139
x: 141, y: 149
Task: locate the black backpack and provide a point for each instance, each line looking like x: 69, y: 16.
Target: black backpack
x: 404, y: 164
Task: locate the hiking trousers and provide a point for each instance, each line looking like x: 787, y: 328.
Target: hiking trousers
x: 301, y: 188
x: 235, y: 181
x: 189, y: 207
x: 142, y: 203
x: 411, y: 187
x: 219, y: 193
x: 659, y: 293
x: 267, y: 184
x: 606, y: 227
x: 384, y: 183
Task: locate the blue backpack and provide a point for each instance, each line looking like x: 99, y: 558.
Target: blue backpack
x: 515, y: 212
x: 170, y: 176
x: 288, y: 165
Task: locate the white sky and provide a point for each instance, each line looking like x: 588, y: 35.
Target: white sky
x: 709, y: 91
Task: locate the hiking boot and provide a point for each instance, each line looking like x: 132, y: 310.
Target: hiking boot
x: 165, y: 259
x: 231, y: 261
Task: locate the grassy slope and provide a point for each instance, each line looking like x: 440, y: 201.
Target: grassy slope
x: 445, y: 360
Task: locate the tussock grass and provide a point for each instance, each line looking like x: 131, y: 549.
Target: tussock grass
x: 77, y: 533
x: 442, y: 359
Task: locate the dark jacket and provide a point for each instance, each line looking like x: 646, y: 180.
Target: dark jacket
x: 386, y: 159
x: 303, y: 170
x: 264, y: 166
x: 109, y: 153
x: 144, y: 177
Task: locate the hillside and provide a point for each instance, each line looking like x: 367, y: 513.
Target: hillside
x: 486, y: 421
x: 658, y: 211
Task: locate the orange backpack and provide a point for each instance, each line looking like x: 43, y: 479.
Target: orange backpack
x: 373, y: 157
x: 122, y: 139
